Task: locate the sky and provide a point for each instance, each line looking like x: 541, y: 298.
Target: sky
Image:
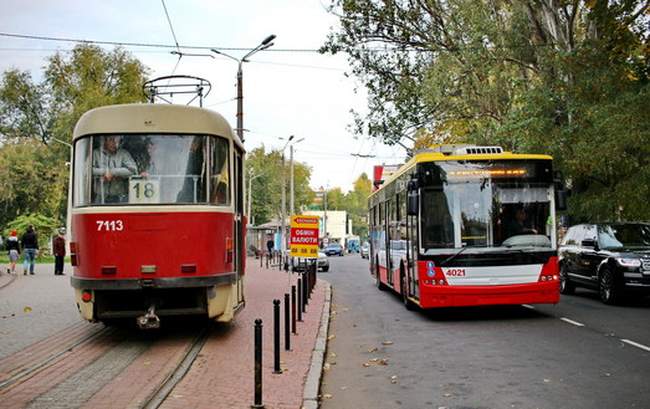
x: 299, y: 93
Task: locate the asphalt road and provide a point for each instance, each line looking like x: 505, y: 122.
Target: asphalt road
x: 571, y: 355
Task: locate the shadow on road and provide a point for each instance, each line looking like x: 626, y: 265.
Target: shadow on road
x: 628, y: 300
x: 485, y: 313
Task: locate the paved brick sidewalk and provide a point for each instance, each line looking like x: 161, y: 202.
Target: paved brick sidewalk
x: 222, y: 375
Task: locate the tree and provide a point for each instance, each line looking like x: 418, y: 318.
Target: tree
x: 33, y: 177
x: 266, y: 193
x: 357, y: 205
x: 562, y: 77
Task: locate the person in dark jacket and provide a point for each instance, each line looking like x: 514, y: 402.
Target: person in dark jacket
x: 29, y: 242
x: 58, y: 248
x: 13, y: 251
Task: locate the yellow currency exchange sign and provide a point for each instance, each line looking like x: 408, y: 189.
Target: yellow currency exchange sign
x: 303, y: 240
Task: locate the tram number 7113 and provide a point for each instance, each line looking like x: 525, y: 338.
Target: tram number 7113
x: 112, y: 225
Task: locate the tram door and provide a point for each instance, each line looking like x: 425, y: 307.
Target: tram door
x: 240, y: 251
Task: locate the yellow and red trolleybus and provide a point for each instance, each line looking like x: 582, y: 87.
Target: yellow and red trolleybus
x: 157, y: 214
x: 463, y: 225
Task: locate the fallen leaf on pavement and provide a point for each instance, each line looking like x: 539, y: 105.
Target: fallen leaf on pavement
x: 371, y: 350
x: 327, y: 396
x: 393, y: 379
x: 331, y: 337
x: 326, y: 367
x: 387, y: 343
x: 27, y: 309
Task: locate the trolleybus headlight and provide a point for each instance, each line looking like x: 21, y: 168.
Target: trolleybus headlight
x: 86, y: 296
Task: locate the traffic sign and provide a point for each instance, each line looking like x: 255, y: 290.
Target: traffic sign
x: 303, y: 240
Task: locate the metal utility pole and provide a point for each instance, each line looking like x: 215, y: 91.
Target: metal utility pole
x: 266, y: 43
x: 325, y: 215
x: 291, y: 208
x: 283, y: 245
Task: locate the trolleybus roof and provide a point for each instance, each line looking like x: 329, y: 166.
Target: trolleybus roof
x: 437, y: 155
x: 153, y: 118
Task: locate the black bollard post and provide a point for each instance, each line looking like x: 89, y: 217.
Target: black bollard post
x: 267, y: 259
x: 300, y: 293
x: 287, y: 323
x: 293, y: 309
x: 258, y: 365
x: 261, y: 258
x: 305, y: 289
x: 280, y: 258
x: 276, y: 337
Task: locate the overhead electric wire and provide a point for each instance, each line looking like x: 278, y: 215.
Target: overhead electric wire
x: 171, y: 27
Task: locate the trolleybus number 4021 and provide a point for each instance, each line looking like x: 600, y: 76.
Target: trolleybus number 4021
x: 455, y: 272
x: 113, y: 225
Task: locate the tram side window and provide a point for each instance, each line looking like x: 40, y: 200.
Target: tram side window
x: 220, y: 176
x: 82, y: 180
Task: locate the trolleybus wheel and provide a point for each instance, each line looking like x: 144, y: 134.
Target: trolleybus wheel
x: 378, y: 283
x: 608, y: 288
x: 403, y: 288
x: 566, y: 286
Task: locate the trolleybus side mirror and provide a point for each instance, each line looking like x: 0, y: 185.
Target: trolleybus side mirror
x: 412, y: 203
x: 560, y: 199
x: 561, y: 193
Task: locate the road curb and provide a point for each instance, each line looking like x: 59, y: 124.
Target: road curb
x: 312, y: 385
x: 11, y: 280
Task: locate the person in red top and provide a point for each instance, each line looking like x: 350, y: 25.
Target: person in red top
x: 58, y: 248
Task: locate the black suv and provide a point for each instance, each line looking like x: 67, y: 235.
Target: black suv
x: 613, y: 258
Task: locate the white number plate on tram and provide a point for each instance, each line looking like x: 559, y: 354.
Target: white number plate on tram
x: 144, y: 190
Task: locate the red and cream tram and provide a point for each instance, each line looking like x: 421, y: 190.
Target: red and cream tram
x: 157, y: 214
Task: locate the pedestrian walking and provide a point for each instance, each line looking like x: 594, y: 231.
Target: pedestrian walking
x: 58, y: 248
x: 29, y: 243
x: 13, y: 251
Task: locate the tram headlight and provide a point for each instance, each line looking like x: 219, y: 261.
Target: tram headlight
x: 86, y: 296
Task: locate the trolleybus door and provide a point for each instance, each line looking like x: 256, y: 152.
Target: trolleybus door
x: 240, y: 251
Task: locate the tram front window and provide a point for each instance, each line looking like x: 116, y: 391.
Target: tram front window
x: 148, y: 169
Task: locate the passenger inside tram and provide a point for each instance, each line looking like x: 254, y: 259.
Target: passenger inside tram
x: 112, y: 167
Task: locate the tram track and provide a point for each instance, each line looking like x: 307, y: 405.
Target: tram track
x: 22, y: 370
x: 158, y: 397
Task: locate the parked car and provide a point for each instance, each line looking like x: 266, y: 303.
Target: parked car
x: 612, y: 258
x: 299, y: 263
x: 365, y: 250
x: 333, y: 249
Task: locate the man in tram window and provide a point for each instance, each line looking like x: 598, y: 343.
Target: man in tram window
x: 112, y: 167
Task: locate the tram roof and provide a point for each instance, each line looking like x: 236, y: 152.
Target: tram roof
x: 153, y: 118
x: 430, y: 156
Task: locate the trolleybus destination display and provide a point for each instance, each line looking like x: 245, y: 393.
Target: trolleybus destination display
x: 304, y: 236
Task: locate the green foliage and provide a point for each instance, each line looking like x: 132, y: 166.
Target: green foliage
x: 568, y: 79
x: 44, y: 226
x: 264, y: 169
x: 33, y: 179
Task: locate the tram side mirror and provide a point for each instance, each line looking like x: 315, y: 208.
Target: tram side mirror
x: 412, y: 202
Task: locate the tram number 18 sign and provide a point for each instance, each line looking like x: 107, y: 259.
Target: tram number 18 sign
x: 304, y: 236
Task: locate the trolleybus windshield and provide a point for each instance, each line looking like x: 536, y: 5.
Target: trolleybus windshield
x: 486, y: 204
x: 151, y: 169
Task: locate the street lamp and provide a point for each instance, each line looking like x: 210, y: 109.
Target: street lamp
x: 251, y: 177
x: 266, y: 43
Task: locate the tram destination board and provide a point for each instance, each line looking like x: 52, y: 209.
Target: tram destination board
x: 304, y: 236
